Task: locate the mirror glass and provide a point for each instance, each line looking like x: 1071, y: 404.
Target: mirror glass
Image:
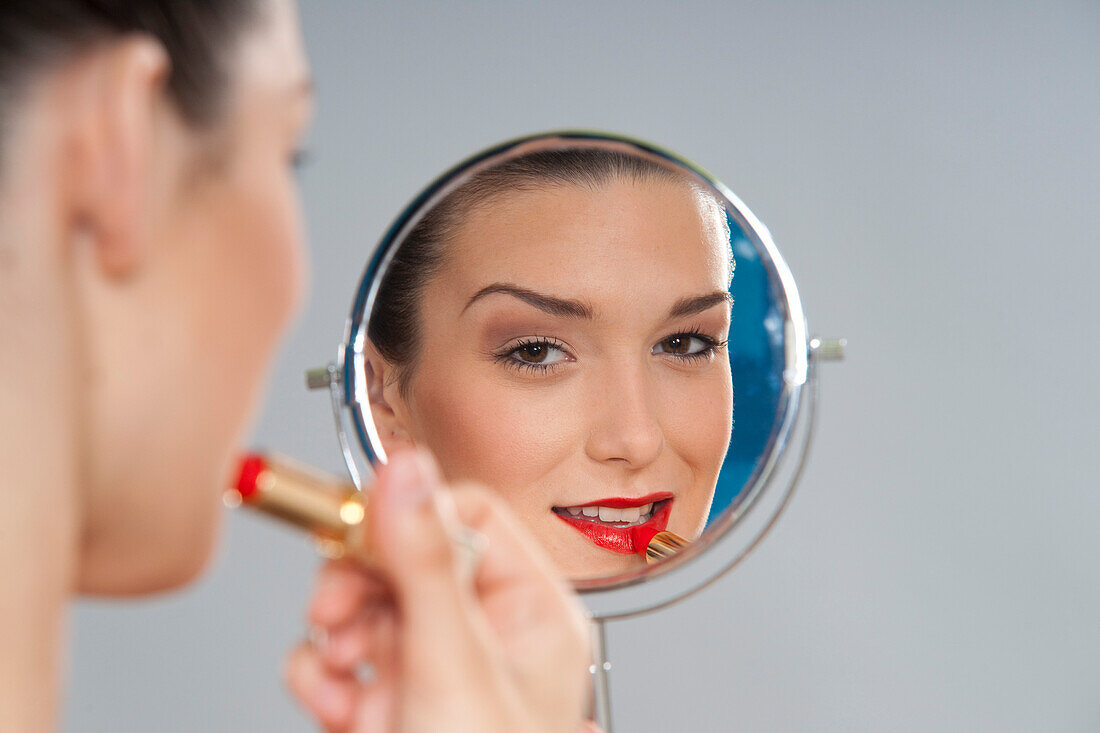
x: 595, y: 329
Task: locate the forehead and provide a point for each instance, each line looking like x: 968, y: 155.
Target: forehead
x: 607, y: 244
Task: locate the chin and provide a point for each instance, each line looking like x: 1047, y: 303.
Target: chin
x: 581, y: 561
x: 606, y: 570
x: 153, y: 575
x: 179, y: 570
x: 142, y: 564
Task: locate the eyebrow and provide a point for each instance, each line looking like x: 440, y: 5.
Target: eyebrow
x: 699, y: 303
x: 577, y: 309
x: 547, y: 303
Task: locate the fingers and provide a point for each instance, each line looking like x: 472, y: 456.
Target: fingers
x: 353, y: 612
x: 425, y: 625
x: 344, y: 589
x: 514, y: 571
x: 526, y: 603
x: 370, y: 638
x: 329, y: 696
x: 412, y: 533
x: 511, y: 555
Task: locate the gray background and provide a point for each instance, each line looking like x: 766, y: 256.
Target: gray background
x: 929, y: 171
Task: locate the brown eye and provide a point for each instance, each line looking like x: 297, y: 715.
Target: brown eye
x: 686, y: 346
x: 676, y: 345
x: 532, y: 353
x: 540, y: 355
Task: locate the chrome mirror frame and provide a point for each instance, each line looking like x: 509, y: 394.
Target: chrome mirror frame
x: 756, y: 508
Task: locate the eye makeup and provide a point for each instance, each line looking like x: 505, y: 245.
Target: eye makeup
x: 544, y: 353
x: 535, y: 353
x: 690, y: 345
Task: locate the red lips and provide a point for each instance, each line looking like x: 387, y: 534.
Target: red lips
x: 621, y: 539
x: 620, y: 503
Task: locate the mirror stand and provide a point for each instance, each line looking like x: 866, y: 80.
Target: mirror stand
x: 600, y: 671
x: 773, y: 360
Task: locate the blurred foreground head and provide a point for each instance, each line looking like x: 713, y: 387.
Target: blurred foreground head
x: 150, y: 258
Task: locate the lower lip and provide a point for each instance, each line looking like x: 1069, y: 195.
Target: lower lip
x: 617, y: 539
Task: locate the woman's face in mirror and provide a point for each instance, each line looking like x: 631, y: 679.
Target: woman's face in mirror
x: 572, y: 356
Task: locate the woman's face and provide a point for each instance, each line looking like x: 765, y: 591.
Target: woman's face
x: 573, y: 359
x: 179, y: 350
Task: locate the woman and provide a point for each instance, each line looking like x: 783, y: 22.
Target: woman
x: 150, y: 258
x: 555, y: 329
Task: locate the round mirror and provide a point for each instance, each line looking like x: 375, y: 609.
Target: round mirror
x: 603, y: 334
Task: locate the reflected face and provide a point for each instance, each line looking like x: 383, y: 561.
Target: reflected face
x: 573, y: 359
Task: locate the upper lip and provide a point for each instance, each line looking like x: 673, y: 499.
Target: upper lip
x: 619, y: 502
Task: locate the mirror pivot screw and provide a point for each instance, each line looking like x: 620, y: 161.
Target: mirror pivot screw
x: 322, y: 377
x: 828, y: 349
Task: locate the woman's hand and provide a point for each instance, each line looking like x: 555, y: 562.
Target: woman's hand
x: 504, y: 651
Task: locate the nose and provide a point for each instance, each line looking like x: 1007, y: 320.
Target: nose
x: 625, y: 427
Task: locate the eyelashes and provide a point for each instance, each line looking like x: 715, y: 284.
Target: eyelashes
x: 539, y: 354
x: 691, y: 345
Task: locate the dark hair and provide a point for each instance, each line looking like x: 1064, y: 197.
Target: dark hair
x: 394, y: 326
x: 35, y: 34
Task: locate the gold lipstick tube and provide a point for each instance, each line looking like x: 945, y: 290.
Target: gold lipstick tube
x: 663, y: 546
x: 331, y: 510
x: 334, y: 512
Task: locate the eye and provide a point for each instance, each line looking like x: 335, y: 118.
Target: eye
x: 688, y: 346
x: 299, y: 159
x: 539, y: 354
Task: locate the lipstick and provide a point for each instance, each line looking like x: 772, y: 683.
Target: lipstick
x: 331, y: 510
x: 649, y: 539
x: 611, y: 535
x: 656, y: 546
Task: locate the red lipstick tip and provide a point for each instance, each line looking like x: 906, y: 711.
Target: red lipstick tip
x: 641, y: 535
x: 252, y: 465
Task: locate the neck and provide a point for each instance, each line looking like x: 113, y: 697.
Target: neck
x: 38, y: 457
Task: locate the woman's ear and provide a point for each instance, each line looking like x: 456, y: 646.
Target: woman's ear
x: 387, y: 406
x: 116, y: 94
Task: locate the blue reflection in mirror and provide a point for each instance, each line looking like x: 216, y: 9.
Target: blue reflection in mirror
x: 756, y: 362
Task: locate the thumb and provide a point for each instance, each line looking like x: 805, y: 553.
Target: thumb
x: 412, y: 525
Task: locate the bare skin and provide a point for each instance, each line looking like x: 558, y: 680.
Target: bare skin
x: 147, y: 271
x: 506, y: 654
x: 115, y: 433
x: 627, y: 392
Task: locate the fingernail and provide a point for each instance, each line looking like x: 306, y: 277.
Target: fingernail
x: 410, y: 475
x: 429, y: 471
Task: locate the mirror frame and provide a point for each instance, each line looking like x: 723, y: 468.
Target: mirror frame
x: 756, y: 508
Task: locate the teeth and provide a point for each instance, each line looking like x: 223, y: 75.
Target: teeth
x: 630, y: 515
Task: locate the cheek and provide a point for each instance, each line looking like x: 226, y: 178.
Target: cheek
x: 176, y: 373
x: 254, y: 271
x: 264, y: 251
x: 488, y: 432
x: 699, y: 415
x: 239, y: 277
